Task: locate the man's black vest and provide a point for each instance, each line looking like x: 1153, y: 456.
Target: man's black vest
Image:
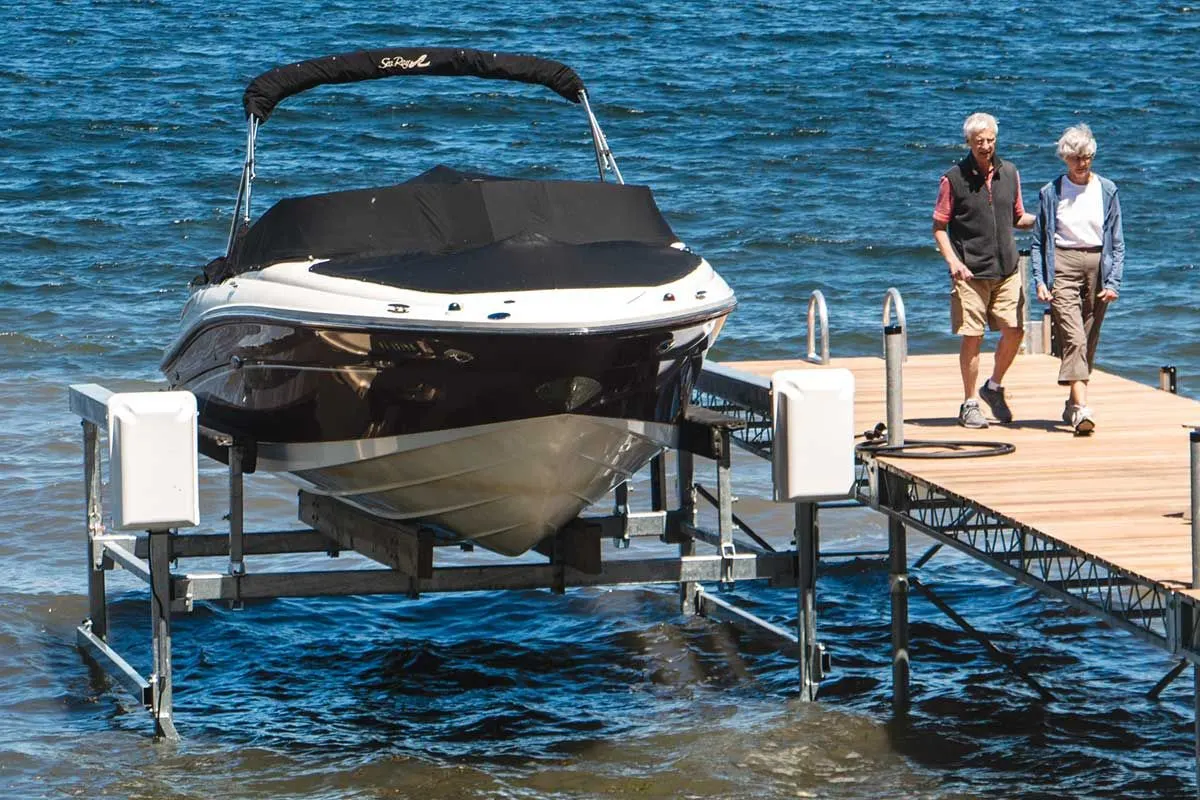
x: 981, y: 222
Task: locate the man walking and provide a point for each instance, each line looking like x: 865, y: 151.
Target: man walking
x: 978, y: 205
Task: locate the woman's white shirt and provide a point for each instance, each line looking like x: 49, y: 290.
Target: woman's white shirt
x: 1080, y: 214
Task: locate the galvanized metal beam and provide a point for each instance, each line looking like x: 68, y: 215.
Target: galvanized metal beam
x: 743, y: 566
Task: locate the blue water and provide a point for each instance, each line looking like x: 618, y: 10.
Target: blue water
x: 795, y: 144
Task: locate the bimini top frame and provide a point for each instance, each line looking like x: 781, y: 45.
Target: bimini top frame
x: 270, y: 88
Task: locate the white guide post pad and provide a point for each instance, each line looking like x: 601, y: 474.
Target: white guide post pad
x: 152, y: 456
x: 813, y: 434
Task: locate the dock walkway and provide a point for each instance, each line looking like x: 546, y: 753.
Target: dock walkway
x: 1101, y: 521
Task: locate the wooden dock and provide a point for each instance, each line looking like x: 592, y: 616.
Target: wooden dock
x: 1122, y: 493
x: 1102, y: 522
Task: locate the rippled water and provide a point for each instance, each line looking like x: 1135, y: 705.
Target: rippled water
x: 797, y: 145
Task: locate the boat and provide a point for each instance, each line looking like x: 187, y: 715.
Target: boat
x: 483, y: 356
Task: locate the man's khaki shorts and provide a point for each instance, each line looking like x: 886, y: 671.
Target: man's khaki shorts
x: 978, y: 302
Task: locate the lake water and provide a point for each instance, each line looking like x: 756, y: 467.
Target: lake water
x: 795, y: 144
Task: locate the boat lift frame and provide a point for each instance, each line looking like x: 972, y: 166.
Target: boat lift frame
x: 407, y: 553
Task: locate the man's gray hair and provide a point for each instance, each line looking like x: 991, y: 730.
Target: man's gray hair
x: 977, y: 123
x: 1076, y: 140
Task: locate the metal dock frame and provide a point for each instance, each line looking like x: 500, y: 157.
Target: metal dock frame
x: 574, y: 555
x: 1166, y: 616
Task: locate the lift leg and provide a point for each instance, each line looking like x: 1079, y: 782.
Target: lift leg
x: 898, y: 583
x: 687, y: 508
x: 807, y: 553
x: 161, y: 699
x: 97, y: 607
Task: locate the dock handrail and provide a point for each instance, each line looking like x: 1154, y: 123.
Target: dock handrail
x: 816, y: 303
x: 893, y: 296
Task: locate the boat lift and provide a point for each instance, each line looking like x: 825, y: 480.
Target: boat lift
x: 153, y: 476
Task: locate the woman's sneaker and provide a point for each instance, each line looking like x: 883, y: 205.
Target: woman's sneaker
x: 996, y: 402
x: 1068, y: 410
x: 969, y: 415
x: 1081, y: 421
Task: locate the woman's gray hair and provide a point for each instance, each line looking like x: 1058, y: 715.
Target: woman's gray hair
x: 1076, y: 140
x: 977, y: 123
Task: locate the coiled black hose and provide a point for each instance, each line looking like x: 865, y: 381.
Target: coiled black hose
x: 876, y: 444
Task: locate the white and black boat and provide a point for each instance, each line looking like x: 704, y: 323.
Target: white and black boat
x: 482, y: 355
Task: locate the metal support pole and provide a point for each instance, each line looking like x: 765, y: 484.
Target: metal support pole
x: 621, y: 498
x: 1048, y: 346
x: 161, y: 698
x: 237, y: 566
x: 995, y: 652
x: 1167, y: 679
x: 725, y: 507
x: 898, y: 584
x: 894, y: 364
x: 97, y: 607
x: 685, y: 464
x: 658, y: 482
x: 807, y: 553
x: 1168, y: 379
x: 1032, y: 343
x: 1028, y: 341
x: 1194, y: 438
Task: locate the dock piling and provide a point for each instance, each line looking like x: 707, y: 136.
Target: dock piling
x: 1168, y: 379
x: 898, y: 587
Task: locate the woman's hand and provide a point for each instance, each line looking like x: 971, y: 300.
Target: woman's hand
x: 1044, y: 293
x: 1107, y: 296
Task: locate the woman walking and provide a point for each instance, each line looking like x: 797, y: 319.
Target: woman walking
x: 1077, y: 257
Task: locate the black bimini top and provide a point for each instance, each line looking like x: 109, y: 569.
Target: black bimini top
x: 270, y: 88
x: 454, y: 232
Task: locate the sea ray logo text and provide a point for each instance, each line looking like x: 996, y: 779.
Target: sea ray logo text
x: 403, y: 63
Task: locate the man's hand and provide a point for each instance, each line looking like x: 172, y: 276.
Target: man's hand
x: 1044, y: 294
x: 1107, y: 296
x: 959, y: 271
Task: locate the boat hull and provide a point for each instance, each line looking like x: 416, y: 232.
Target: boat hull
x: 504, y: 486
x: 499, y: 438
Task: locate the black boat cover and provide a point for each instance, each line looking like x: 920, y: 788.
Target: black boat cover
x: 268, y: 89
x: 449, y: 231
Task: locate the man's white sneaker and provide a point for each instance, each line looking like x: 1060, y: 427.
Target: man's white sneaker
x: 1081, y: 421
x: 969, y: 415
